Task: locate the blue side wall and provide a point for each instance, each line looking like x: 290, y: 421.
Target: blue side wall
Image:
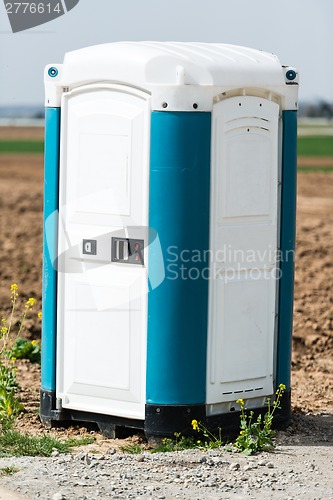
x: 51, y: 196
x: 287, y: 245
x: 179, y: 212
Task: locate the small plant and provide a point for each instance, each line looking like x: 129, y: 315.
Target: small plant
x: 25, y: 349
x: 8, y: 375
x: 9, y: 402
x: 210, y: 440
x: 179, y: 443
x: 257, y: 435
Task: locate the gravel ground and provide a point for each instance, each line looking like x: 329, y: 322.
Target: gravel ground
x: 300, y: 467
x: 290, y: 472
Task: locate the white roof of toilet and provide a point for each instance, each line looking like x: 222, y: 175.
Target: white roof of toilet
x: 160, y: 63
x: 176, y: 72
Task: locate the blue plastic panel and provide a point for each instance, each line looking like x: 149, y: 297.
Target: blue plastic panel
x: 287, y: 245
x: 179, y: 212
x: 51, y: 203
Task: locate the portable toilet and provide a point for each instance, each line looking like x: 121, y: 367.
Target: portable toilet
x: 170, y: 191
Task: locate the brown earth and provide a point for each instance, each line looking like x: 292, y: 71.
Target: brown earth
x: 315, y: 161
x: 312, y: 368
x: 35, y: 133
x: 21, y: 199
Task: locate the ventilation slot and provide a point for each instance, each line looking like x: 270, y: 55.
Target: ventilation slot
x: 247, y: 124
x: 242, y: 391
x: 248, y: 118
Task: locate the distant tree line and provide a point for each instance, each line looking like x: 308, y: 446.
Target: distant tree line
x: 321, y: 109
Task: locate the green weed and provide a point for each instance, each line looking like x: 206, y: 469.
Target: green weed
x: 25, y: 349
x: 10, y: 405
x: 257, y: 435
x: 209, y: 440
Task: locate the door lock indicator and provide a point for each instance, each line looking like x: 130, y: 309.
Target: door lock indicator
x: 127, y: 251
x: 89, y: 247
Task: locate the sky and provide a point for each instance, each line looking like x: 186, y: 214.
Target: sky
x: 299, y: 32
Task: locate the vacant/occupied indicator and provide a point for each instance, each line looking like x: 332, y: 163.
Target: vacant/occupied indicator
x: 89, y: 247
x: 127, y: 251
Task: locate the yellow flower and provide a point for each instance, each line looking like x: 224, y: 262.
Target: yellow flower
x: 40, y: 315
x: 3, y: 331
x: 3, y: 320
x: 13, y: 358
x: 34, y: 342
x: 240, y: 401
x: 30, y: 303
x: 14, y: 292
x: 195, y: 425
x: 282, y: 387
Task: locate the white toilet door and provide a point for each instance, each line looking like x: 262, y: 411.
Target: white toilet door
x: 102, y: 305
x: 242, y: 295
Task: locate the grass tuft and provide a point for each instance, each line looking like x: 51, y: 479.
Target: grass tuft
x: 133, y: 449
x: 8, y: 471
x: 15, y: 444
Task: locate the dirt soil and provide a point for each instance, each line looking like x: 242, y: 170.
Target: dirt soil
x: 21, y: 201
x: 311, y: 161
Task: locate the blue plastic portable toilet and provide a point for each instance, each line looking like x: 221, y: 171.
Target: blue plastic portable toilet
x: 170, y: 188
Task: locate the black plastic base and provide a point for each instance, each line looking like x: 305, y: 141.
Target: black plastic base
x: 110, y: 426
x: 160, y: 420
x: 166, y: 420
